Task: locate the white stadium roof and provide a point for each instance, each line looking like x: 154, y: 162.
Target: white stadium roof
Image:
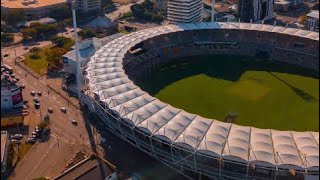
x: 265, y: 147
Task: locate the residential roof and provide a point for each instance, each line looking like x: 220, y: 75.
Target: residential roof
x: 19, y: 4
x: 90, y: 168
x: 314, y: 14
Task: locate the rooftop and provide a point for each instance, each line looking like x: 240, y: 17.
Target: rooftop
x: 8, y: 84
x: 90, y: 168
x: 28, y: 4
x: 4, y: 135
x: 314, y: 14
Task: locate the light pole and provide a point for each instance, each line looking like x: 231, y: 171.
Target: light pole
x: 78, y: 74
x: 212, y: 12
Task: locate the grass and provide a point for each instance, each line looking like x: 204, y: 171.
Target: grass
x: 39, y: 65
x: 38, y: 62
x: 264, y: 95
x: 24, y: 148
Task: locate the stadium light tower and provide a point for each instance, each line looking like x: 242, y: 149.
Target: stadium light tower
x: 212, y: 11
x: 78, y: 74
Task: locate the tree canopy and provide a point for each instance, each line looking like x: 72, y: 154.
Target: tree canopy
x: 13, y: 17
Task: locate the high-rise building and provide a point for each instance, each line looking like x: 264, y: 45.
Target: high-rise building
x: 184, y: 11
x: 255, y: 10
x: 312, y: 23
x: 88, y: 5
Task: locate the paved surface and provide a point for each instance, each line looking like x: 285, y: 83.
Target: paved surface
x: 48, y: 157
x: 122, y: 9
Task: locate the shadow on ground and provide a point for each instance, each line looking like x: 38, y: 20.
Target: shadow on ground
x: 221, y: 67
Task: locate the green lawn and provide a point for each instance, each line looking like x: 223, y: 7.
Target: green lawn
x: 264, y: 95
x: 39, y: 65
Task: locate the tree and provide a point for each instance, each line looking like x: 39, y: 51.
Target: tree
x: 61, y: 13
x: 60, y: 41
x: 35, y: 50
x: 29, y: 33
x: 7, y: 37
x: 13, y: 17
x: 87, y: 33
x: 54, y: 58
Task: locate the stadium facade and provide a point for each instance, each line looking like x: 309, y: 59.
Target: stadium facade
x: 187, y: 141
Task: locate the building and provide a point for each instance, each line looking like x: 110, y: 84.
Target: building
x: 256, y: 10
x: 88, y: 5
x: 312, y: 23
x: 102, y: 24
x: 86, y: 49
x: 32, y: 8
x: 282, y: 5
x: 184, y: 11
x: 186, y: 141
x: 4, y: 150
x: 92, y: 167
x: 11, y: 103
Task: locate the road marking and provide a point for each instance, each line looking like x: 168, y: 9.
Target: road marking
x: 47, y: 152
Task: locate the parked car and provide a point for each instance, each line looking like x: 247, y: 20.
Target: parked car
x: 50, y: 110
x: 31, y: 140
x: 13, y: 75
x: 16, y: 136
x: 39, y: 93
x: 22, y: 86
x: 25, y: 48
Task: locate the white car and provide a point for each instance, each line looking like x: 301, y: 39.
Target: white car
x: 33, y: 93
x: 63, y: 110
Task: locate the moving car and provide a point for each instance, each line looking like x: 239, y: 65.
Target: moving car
x: 74, y: 122
x: 39, y: 93
x: 64, y: 110
x: 33, y: 93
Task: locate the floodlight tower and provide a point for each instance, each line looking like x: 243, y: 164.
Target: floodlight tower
x: 212, y: 11
x: 78, y: 74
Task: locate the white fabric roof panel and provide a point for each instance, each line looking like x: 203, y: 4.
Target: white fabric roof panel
x: 176, y: 125
x: 194, y: 133
x: 215, y: 138
x: 237, y: 145
x: 124, y: 97
x: 316, y: 136
x: 307, y: 146
x: 110, y: 92
x: 146, y: 111
x: 135, y: 103
x: 263, y: 147
x: 287, y: 155
x: 261, y: 150
x: 159, y: 119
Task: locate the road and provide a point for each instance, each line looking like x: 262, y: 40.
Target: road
x: 49, y: 158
